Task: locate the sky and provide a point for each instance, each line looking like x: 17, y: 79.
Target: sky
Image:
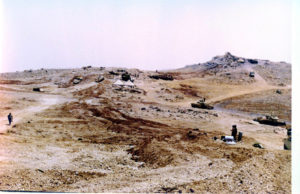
x: 144, y: 34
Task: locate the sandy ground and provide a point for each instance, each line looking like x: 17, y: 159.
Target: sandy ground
x: 99, y: 138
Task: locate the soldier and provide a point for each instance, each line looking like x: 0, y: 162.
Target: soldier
x: 10, y: 118
x: 234, y: 131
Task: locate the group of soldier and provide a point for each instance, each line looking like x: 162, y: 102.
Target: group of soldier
x: 234, y: 133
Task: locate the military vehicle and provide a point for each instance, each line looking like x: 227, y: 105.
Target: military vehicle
x: 37, y: 90
x: 201, y: 104
x: 270, y: 120
x: 162, y: 76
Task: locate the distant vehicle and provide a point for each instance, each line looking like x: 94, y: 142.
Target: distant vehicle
x: 270, y: 120
x: 201, y: 104
x: 162, y: 76
x: 251, y: 74
x: 252, y: 61
x: 287, y: 141
x: 37, y: 89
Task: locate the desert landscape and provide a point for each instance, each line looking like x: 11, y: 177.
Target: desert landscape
x: 91, y: 129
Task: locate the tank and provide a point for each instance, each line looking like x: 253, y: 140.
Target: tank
x: 270, y: 120
x: 201, y: 104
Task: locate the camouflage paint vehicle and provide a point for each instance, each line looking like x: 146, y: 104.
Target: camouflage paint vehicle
x: 270, y: 120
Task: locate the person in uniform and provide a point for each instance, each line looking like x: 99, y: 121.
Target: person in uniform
x: 10, y: 118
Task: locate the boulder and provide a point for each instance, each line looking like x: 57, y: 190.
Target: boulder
x: 113, y: 73
x: 191, y: 135
x: 240, y: 60
x: 77, y: 79
x: 258, y: 145
x: 99, y: 79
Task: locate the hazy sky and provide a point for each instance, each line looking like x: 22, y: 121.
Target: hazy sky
x: 154, y: 34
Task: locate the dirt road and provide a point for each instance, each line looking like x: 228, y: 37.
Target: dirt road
x: 42, y: 102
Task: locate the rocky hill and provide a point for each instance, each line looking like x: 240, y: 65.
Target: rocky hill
x: 232, y: 67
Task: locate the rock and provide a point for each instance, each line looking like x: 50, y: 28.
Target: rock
x: 192, y: 190
x: 135, y: 91
x: 258, y: 145
x: 169, y: 189
x: 240, y: 60
x: 76, y: 81
x: 143, y: 108
x: 79, y: 139
x: 99, y: 79
x: 40, y: 170
x: 191, y: 135
x: 278, y: 91
x: 113, y: 73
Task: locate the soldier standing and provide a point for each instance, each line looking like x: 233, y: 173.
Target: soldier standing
x: 10, y: 118
x: 234, y: 131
